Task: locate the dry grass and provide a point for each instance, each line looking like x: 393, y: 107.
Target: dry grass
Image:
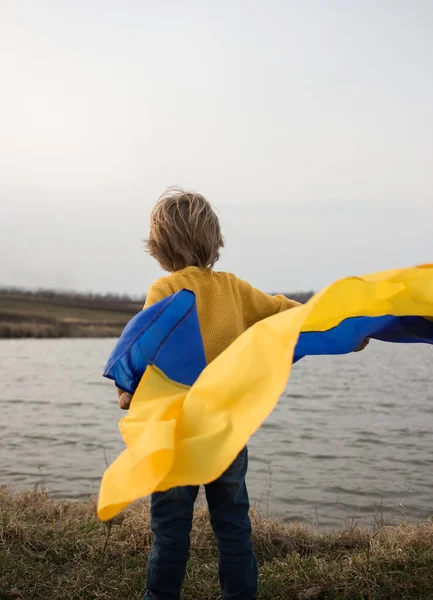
x: 59, y: 330
x: 34, y: 317
x: 56, y: 315
x: 52, y: 549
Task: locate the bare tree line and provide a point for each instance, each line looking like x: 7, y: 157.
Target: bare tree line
x: 109, y: 300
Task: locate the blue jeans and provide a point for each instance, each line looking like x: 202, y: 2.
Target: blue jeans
x: 171, y: 521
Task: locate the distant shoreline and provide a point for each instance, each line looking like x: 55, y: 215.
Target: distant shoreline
x: 54, y: 315
x: 20, y: 330
x: 49, y: 314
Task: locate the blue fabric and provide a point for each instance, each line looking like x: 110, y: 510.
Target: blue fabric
x: 171, y: 521
x: 350, y: 333
x: 167, y: 334
x: 182, y: 356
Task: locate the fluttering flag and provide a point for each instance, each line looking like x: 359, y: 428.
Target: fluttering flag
x: 188, y: 420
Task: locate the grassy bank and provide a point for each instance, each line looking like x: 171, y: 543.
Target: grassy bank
x: 48, y: 314
x: 52, y: 549
x: 38, y: 316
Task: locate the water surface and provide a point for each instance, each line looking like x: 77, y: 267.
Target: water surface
x: 352, y: 437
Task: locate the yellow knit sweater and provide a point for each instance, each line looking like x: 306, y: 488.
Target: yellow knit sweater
x: 226, y: 305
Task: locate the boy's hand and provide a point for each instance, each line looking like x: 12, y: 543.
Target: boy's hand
x: 363, y: 345
x: 124, y: 399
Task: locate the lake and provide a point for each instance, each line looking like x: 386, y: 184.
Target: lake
x: 351, y: 438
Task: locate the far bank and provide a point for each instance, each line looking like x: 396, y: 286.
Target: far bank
x: 49, y: 314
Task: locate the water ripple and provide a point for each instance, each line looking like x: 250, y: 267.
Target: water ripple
x: 353, y: 437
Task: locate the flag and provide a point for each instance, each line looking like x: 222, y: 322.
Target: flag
x: 188, y: 420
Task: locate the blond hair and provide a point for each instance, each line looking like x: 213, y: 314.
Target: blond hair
x: 184, y: 231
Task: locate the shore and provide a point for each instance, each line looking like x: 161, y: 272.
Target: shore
x: 61, y: 315
x: 58, y: 550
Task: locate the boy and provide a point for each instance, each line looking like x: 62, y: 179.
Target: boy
x: 185, y: 238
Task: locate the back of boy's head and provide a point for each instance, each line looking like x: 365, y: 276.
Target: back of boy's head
x: 184, y: 231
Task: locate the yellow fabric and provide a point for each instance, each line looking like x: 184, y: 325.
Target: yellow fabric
x: 149, y: 431
x: 180, y: 436
x: 226, y: 305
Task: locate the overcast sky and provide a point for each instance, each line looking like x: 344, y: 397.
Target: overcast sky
x: 308, y: 124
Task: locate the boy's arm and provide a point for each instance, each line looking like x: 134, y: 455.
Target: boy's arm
x: 124, y: 399
x: 258, y: 306
x: 156, y: 292
x: 287, y: 303
x: 363, y: 345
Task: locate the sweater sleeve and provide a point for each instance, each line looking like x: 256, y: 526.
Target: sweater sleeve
x: 258, y: 306
x: 157, y: 291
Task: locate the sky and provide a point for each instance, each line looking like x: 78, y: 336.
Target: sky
x: 308, y: 124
